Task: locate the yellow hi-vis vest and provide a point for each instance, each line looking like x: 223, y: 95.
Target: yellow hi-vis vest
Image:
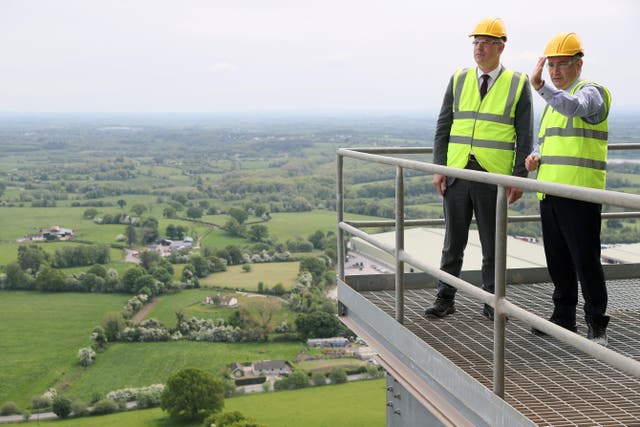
x: 573, y: 151
x: 484, y: 126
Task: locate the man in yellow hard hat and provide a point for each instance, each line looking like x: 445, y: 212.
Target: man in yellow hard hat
x: 485, y: 124
x: 572, y: 150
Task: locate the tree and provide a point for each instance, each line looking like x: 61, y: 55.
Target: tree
x: 130, y: 276
x: 149, y: 258
x: 138, y: 209
x: 201, y: 266
x: 61, y: 406
x: 131, y: 235
x: 318, y: 378
x: 238, y: 214
x: 317, y: 324
x: 99, y: 338
x: 31, y: 257
x: 258, y: 232
x: 170, y: 231
x: 235, y: 228
x: 262, y: 315
x: 98, y: 270
x: 122, y: 203
x: 49, y: 279
x: 315, y: 266
x: 193, y: 394
x: 169, y: 212
x: 16, y: 278
x: 232, y: 419
x: 318, y: 240
x: 338, y: 376
x: 112, y: 324
x: 86, y: 356
x: 194, y: 212
x: 90, y: 213
x: 149, y: 230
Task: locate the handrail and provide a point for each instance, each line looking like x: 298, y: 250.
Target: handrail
x: 499, y: 301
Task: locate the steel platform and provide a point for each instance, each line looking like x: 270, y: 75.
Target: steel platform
x: 547, y: 381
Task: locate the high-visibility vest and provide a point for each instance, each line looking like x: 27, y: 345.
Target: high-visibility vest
x: 484, y: 126
x: 573, y: 151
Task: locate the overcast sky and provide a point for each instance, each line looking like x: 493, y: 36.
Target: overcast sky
x: 284, y: 55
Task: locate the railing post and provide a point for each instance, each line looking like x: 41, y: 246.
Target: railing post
x: 399, y: 244
x: 340, y: 211
x: 500, y: 291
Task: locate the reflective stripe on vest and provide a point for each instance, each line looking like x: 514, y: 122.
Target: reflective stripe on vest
x: 486, y: 126
x: 573, y: 151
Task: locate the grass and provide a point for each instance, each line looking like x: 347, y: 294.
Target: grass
x: 269, y: 274
x: 328, y: 364
x: 355, y: 404
x: 40, y: 337
x: 42, y: 333
x: 141, y: 364
x: 190, y: 302
x: 220, y: 239
x: 288, y: 225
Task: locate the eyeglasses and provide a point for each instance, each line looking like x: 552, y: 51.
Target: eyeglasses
x: 562, y: 65
x: 485, y: 42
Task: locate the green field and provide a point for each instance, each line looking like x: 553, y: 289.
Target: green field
x: 141, y: 364
x: 322, y: 365
x: 40, y: 337
x: 190, y: 302
x: 269, y: 274
x: 356, y: 404
x: 42, y: 333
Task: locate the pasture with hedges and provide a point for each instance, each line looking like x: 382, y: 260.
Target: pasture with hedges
x: 261, y: 220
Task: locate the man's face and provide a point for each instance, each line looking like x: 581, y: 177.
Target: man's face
x: 563, y: 70
x: 487, y: 51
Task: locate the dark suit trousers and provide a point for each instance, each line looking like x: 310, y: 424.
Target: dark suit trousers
x: 571, y: 233
x: 461, y: 200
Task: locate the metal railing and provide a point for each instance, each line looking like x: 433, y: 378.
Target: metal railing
x: 499, y: 301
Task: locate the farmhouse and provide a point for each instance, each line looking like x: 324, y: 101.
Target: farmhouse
x: 262, y: 367
x: 167, y: 246
x: 52, y: 233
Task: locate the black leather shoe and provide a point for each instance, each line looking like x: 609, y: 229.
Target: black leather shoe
x: 597, y: 331
x: 598, y: 335
x: 487, y: 312
x: 570, y: 327
x: 440, y: 308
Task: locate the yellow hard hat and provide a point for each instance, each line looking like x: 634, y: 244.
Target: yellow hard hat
x: 493, y: 27
x: 564, y: 44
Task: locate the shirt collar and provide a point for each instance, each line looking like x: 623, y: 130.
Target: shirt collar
x: 493, y: 74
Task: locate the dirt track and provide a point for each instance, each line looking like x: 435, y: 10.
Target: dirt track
x: 137, y: 318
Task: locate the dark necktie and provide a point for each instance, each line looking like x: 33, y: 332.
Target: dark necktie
x: 484, y: 85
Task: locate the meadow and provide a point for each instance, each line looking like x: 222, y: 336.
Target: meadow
x: 355, y: 404
x: 269, y: 274
x: 190, y: 302
x: 41, y: 334
x: 40, y: 337
x: 142, y: 364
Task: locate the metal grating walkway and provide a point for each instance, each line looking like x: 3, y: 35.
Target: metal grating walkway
x: 546, y: 380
